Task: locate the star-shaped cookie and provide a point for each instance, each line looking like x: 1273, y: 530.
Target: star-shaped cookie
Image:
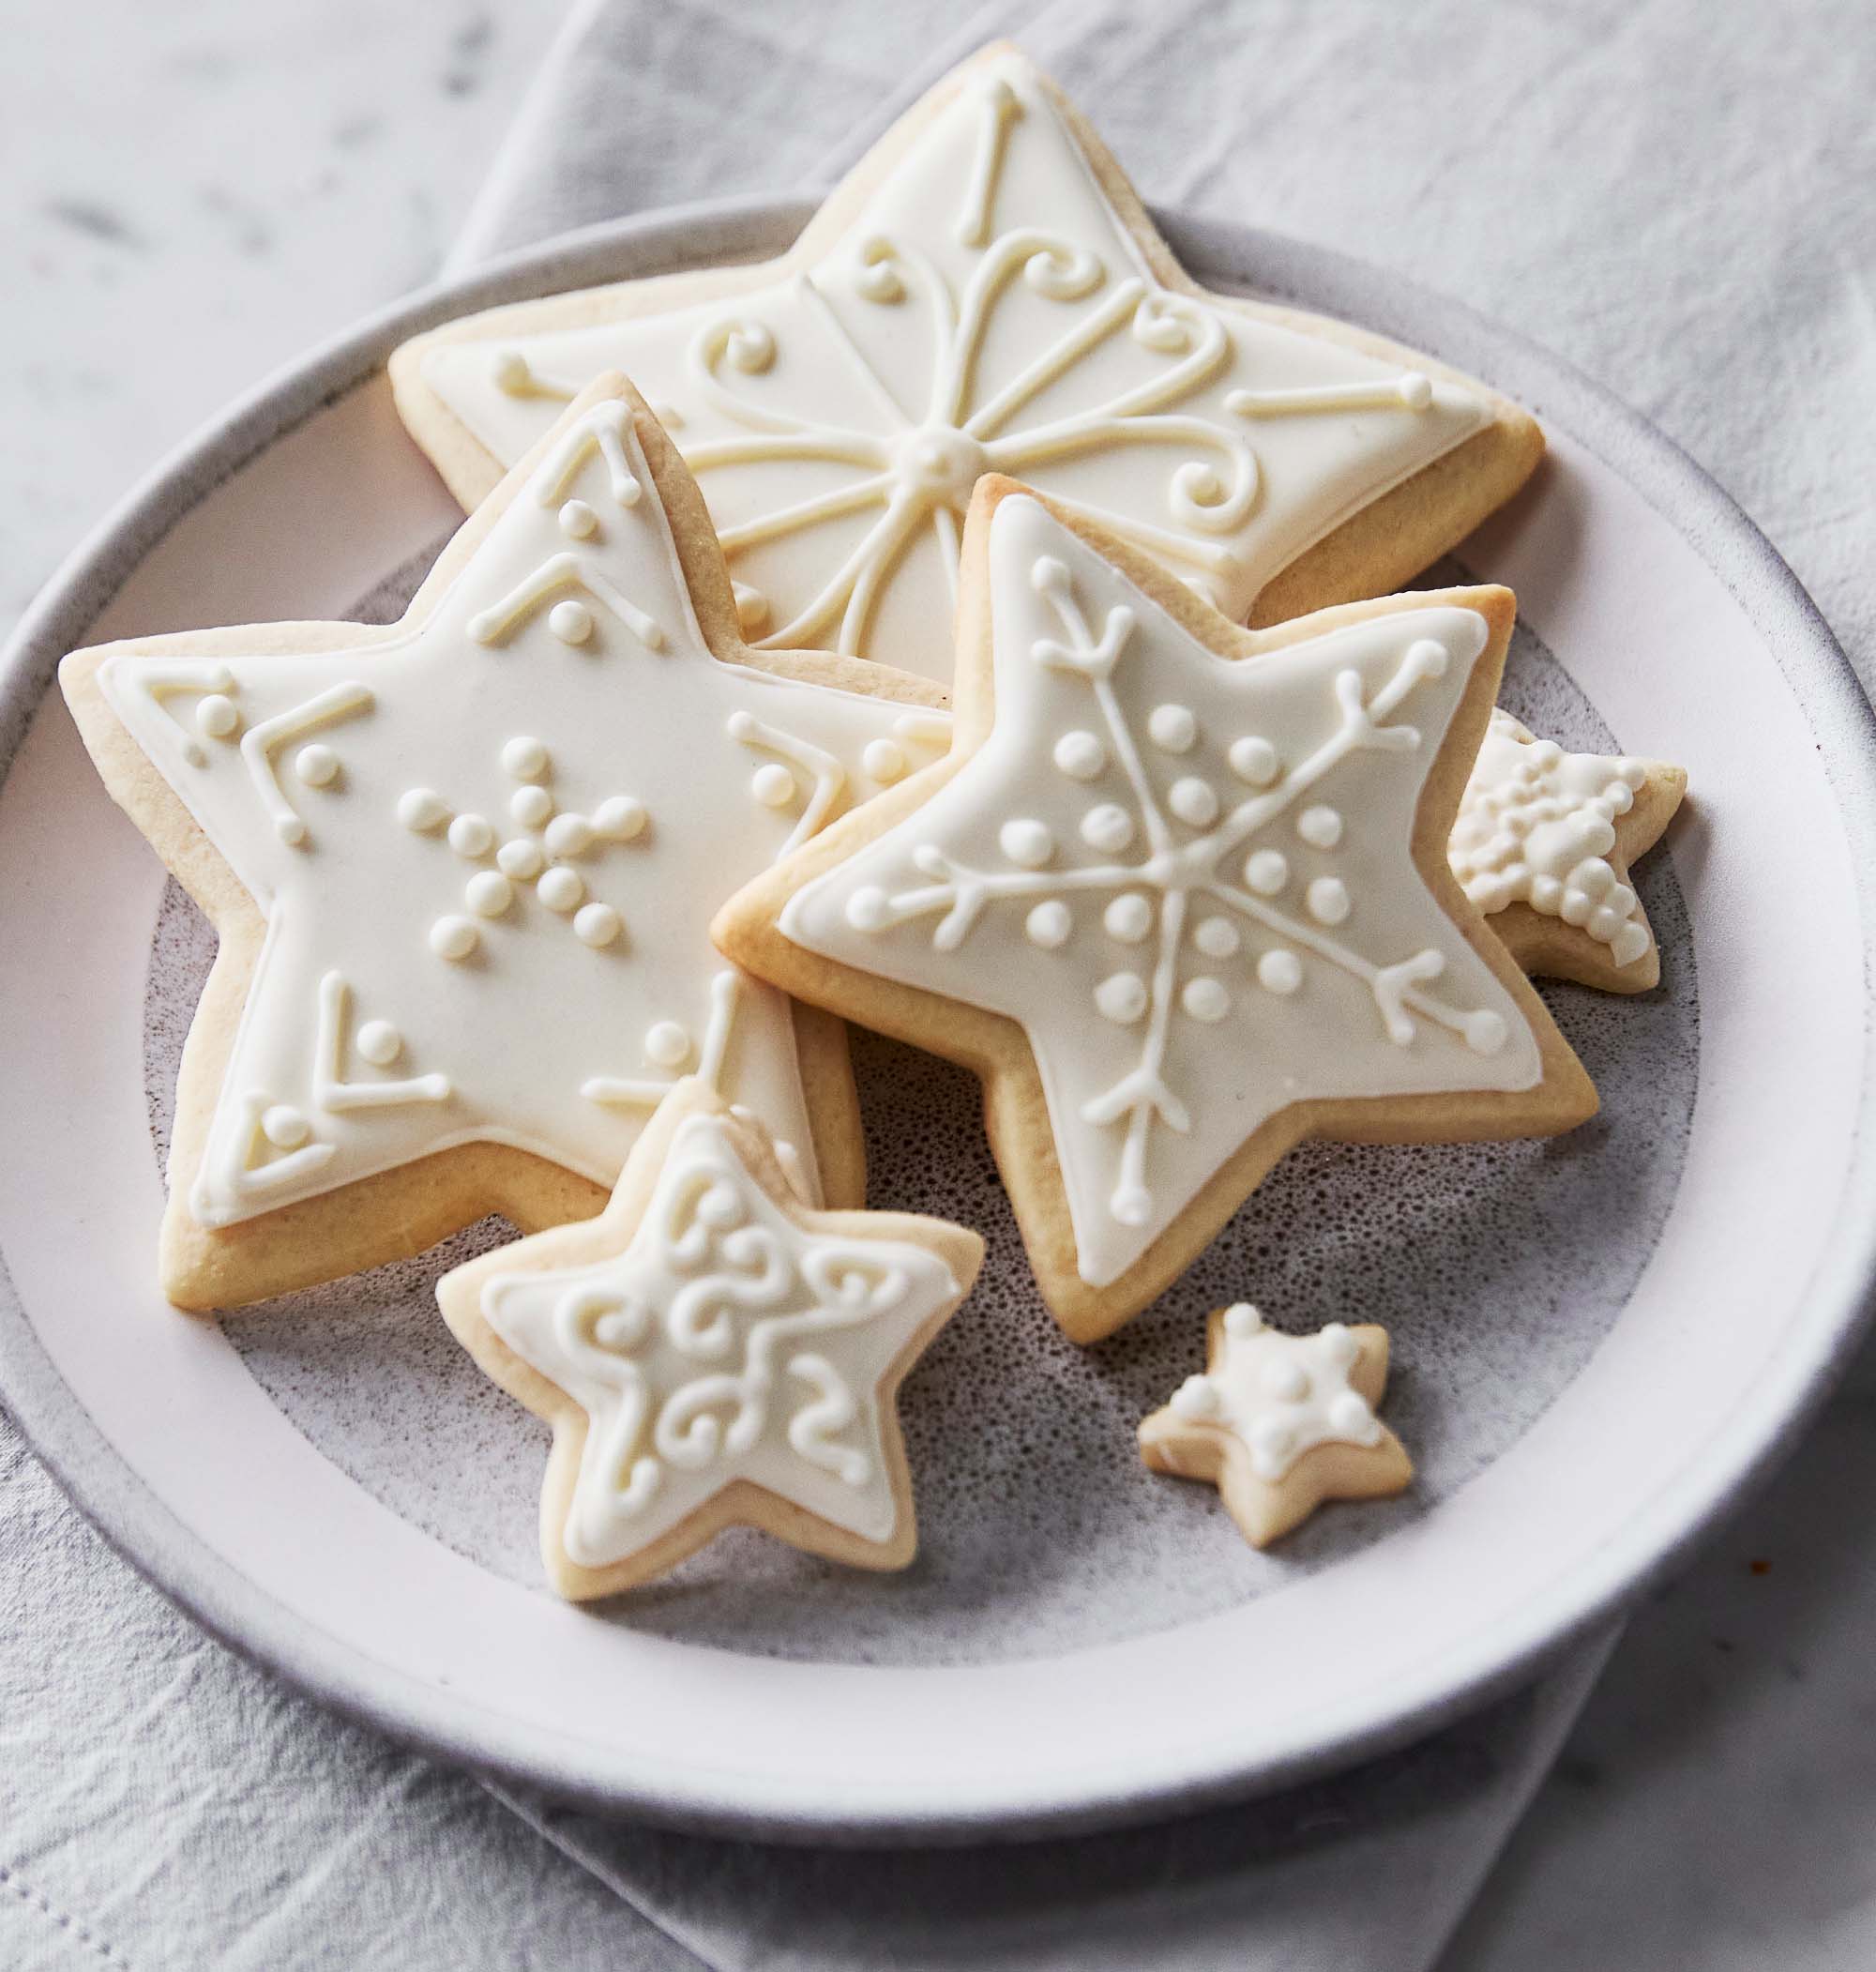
x: 1178, y: 910
x: 1543, y: 846
x: 462, y: 869
x: 986, y: 293
x: 1279, y: 1423
x: 709, y: 1351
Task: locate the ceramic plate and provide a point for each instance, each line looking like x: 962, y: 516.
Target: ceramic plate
x: 1600, y: 1341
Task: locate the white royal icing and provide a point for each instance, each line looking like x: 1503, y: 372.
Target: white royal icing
x: 987, y: 309
x: 1282, y: 1395
x: 1331, y: 970
x: 1537, y: 826
x: 724, y: 1344
x: 510, y: 866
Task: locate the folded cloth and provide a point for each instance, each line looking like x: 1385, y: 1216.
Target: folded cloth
x: 640, y: 106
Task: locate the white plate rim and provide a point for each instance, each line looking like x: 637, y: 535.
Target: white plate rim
x: 141, y: 1527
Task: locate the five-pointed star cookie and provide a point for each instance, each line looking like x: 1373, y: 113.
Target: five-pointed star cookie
x: 463, y: 870
x: 711, y: 1351
x: 1179, y: 910
x: 1543, y: 846
x: 1279, y: 1423
x: 986, y: 293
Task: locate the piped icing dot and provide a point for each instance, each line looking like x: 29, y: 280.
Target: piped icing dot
x: 379, y: 1043
x: 1348, y: 1415
x: 1195, y: 801
x: 454, y: 938
x: 1172, y: 728
x: 1107, y: 828
x: 1080, y: 755
x: 316, y: 766
x: 1266, y: 871
x: 1129, y: 918
x: 1205, y: 998
x: 570, y: 834
x: 1217, y: 937
x: 667, y: 1044
x: 619, y: 817
x: 1417, y: 389
x: 1427, y: 658
x: 216, y: 716
x: 421, y: 809
x: 521, y: 859
x: 1121, y: 997
x: 1242, y: 1318
x: 570, y: 621
x: 773, y: 785
x: 1327, y: 899
x: 1049, y: 925
x: 1253, y: 761
x: 1027, y: 842
x: 508, y: 371
x: 1197, y: 1399
x: 284, y: 1127
x: 470, y: 836
x: 530, y: 806
x: 867, y: 908
x: 1485, y: 1031
x: 560, y: 889
x: 578, y: 522
x: 885, y: 762
x: 525, y: 757
x: 1279, y: 972
x: 488, y: 894
x: 1320, y: 827
x: 597, y: 925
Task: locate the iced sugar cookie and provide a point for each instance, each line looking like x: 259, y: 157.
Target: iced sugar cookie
x: 1279, y: 1423
x: 1178, y: 909
x: 711, y: 1351
x: 1543, y: 846
x: 985, y: 293
x: 463, y: 870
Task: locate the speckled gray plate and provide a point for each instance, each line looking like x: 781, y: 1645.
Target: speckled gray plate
x: 1598, y: 1341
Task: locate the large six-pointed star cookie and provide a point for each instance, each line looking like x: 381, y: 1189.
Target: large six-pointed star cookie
x: 463, y: 870
x: 710, y: 1351
x: 1180, y: 894
x: 986, y: 293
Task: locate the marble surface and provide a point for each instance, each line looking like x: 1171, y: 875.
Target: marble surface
x: 193, y: 195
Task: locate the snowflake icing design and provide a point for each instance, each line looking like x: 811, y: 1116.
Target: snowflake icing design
x: 1199, y: 878
x: 987, y: 311
x: 524, y: 959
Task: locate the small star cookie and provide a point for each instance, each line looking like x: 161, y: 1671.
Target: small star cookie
x: 711, y: 1351
x: 985, y: 293
x: 1179, y: 910
x: 463, y: 870
x: 1543, y: 846
x: 1279, y: 1423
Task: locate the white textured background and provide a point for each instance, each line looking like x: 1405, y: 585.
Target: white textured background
x: 1682, y: 198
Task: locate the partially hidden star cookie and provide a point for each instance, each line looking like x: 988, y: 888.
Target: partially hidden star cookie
x: 711, y: 1351
x: 462, y: 869
x: 985, y: 293
x: 1543, y: 846
x: 1279, y: 1423
x: 1179, y: 909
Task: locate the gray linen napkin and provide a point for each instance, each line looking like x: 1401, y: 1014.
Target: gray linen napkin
x: 645, y: 105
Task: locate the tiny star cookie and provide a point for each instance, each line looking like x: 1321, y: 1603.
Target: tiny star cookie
x: 1179, y: 910
x: 986, y: 293
x: 711, y: 1351
x: 1543, y: 846
x: 462, y: 869
x: 1279, y: 1423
